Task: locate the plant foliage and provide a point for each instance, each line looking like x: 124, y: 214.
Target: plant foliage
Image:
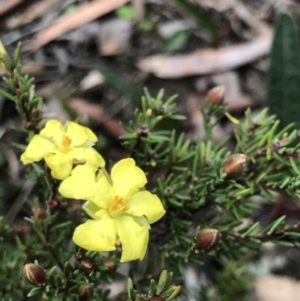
x: 208, y: 192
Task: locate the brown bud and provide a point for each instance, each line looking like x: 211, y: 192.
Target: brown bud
x: 53, y: 205
x: 34, y: 274
x: 22, y: 229
x: 234, y: 166
x: 206, y: 239
x: 29, y: 126
x: 39, y: 214
x: 110, y: 265
x: 216, y: 95
x: 36, y: 113
x: 85, y: 291
x: 87, y: 266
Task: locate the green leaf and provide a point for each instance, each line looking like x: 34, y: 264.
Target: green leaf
x: 283, y: 93
x: 126, y: 12
x: 7, y: 95
x: 152, y: 288
x: 283, y: 243
x: 34, y: 291
x: 251, y: 229
x: 273, y: 227
x: 130, y: 290
x: 202, y: 17
x: 176, y: 41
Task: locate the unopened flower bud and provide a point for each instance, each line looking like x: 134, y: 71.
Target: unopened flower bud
x: 29, y: 126
x: 234, y: 166
x: 216, y: 95
x: 39, y: 214
x: 34, y: 274
x: 110, y: 265
x: 85, y: 291
x: 206, y: 239
x: 87, y: 266
x: 53, y: 205
x: 22, y: 229
x: 36, y: 113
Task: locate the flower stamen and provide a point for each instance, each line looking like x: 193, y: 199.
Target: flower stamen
x: 118, y: 205
x: 65, y: 143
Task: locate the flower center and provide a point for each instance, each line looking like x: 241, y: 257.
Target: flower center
x: 118, y: 205
x: 65, y: 143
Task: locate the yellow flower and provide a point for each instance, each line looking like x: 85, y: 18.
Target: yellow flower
x: 121, y: 212
x: 61, y: 146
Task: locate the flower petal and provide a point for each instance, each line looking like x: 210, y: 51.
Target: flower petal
x: 37, y: 148
x: 79, y: 134
x: 97, y: 235
x: 133, y: 237
x: 53, y: 130
x: 89, y: 154
x: 86, y: 183
x: 127, y: 178
x: 146, y: 203
x: 61, y: 164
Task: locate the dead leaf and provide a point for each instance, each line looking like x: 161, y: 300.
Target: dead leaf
x: 31, y: 13
x: 275, y: 288
x: 7, y: 5
x: 96, y: 113
x: 93, y: 80
x: 30, y: 68
x: 84, y: 13
x: 115, y: 37
x: 209, y: 60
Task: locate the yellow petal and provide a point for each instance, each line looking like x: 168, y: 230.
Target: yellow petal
x: 127, y: 178
x: 133, y: 237
x: 99, y: 235
x: 86, y: 183
x: 61, y: 164
x: 36, y: 150
x: 146, y: 203
x: 79, y: 134
x: 89, y: 154
x: 53, y: 130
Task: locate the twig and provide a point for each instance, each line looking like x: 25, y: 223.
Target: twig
x: 8, y: 5
x: 209, y: 60
x: 85, y: 13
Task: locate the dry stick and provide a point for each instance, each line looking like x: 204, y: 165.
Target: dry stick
x: 85, y: 13
x: 209, y: 60
x: 8, y: 5
x: 97, y: 113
